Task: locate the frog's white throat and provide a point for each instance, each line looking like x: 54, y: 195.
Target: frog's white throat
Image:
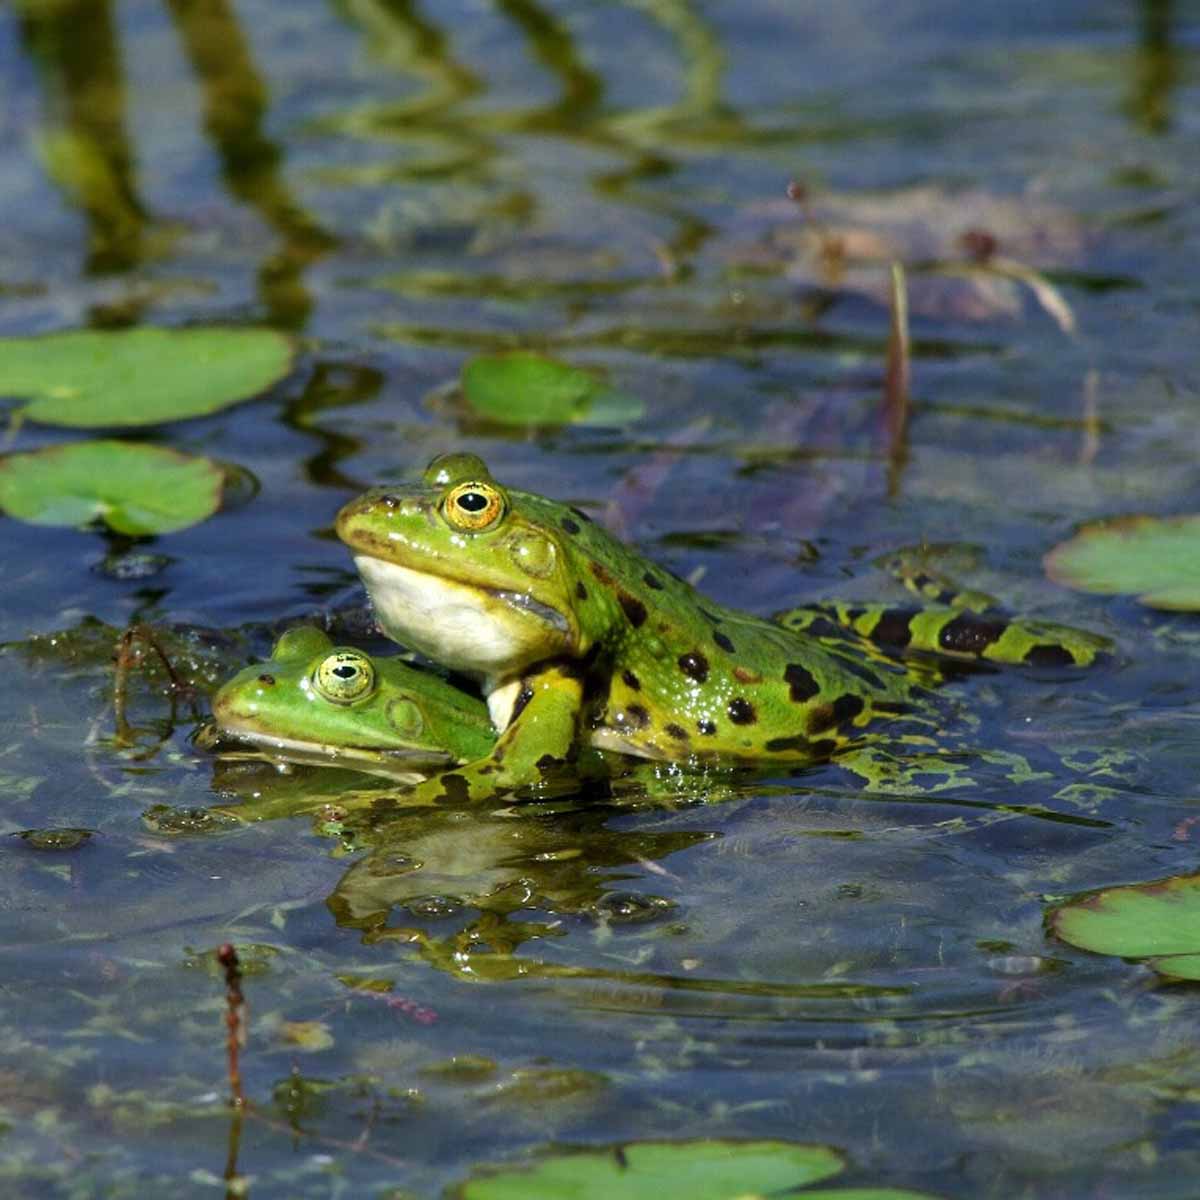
x: 466, y: 628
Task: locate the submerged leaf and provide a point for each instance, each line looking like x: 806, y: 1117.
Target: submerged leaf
x: 1155, y: 558
x: 1158, y: 922
x: 524, y: 388
x: 133, y: 488
x: 95, y: 378
x: 309, y: 1036
x: 58, y: 838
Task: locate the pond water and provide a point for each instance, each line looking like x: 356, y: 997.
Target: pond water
x: 404, y: 184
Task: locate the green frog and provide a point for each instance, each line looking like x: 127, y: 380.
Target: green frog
x: 578, y: 640
x: 317, y: 702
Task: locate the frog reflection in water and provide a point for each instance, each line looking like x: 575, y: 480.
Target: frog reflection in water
x: 467, y: 891
x: 579, y: 640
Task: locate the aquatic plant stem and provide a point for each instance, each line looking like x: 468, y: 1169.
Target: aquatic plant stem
x: 235, y: 1019
x: 897, y: 377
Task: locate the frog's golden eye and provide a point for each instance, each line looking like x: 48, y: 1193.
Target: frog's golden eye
x: 344, y: 676
x: 473, y: 506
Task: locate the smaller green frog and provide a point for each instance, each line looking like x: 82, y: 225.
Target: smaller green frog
x: 333, y: 705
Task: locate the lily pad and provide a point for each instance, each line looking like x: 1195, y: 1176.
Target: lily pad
x: 1155, y: 558
x: 524, y: 388
x: 1158, y: 922
x: 704, y: 1169
x: 133, y: 488
x: 95, y: 378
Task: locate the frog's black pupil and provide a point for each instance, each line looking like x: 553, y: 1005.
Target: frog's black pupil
x: 345, y: 672
x: 473, y: 502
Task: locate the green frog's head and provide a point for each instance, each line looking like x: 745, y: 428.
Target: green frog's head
x: 316, y: 702
x: 466, y: 571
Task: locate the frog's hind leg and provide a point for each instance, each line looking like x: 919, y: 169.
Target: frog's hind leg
x: 950, y: 631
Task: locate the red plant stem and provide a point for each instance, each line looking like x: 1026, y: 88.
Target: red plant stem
x: 235, y: 1019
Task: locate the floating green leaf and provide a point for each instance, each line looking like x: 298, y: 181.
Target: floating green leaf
x: 133, y: 488
x: 96, y: 378
x: 699, y: 1170
x: 704, y: 1169
x: 524, y: 388
x: 1158, y: 922
x: 1155, y: 558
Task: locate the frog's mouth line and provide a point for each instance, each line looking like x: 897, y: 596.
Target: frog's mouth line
x: 323, y: 753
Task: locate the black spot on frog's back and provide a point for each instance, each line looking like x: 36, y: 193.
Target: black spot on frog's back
x: 572, y: 527
x: 631, y: 681
x: 652, y: 581
x: 801, y: 682
x: 970, y: 634
x: 724, y: 642
x: 829, y: 716
x: 633, y: 608
x: 741, y: 711
x: 894, y: 628
x: 783, y: 745
x: 694, y: 665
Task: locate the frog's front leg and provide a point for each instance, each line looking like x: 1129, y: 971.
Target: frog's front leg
x: 541, y: 735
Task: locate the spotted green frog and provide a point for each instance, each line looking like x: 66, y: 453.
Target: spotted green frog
x: 579, y: 640
x: 317, y: 702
